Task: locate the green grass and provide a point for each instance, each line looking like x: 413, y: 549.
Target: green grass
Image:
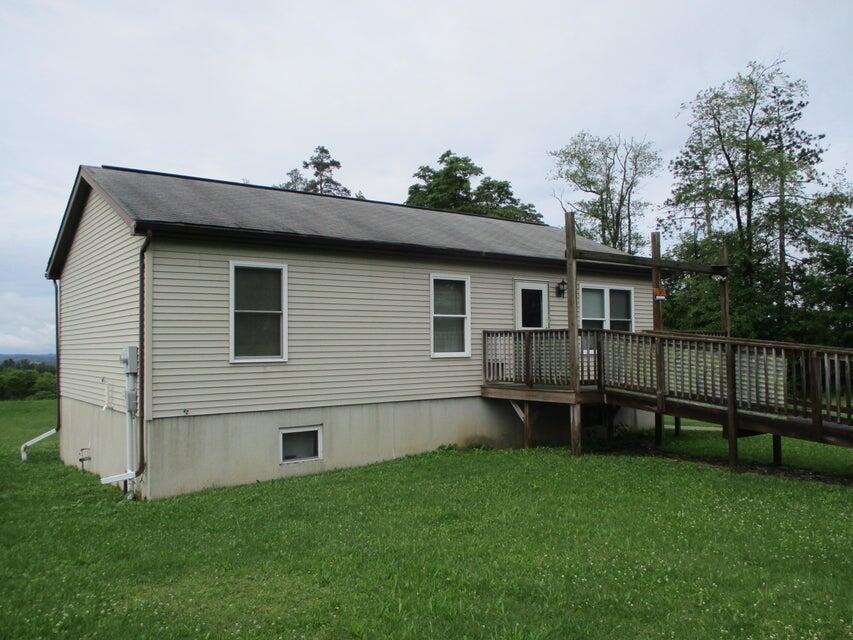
x: 452, y: 544
x: 797, y: 454
x: 686, y: 422
x: 756, y: 450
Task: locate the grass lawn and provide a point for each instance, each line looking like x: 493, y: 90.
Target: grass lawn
x: 451, y: 544
x: 797, y: 454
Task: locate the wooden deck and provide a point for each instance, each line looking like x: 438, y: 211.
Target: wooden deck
x: 785, y: 389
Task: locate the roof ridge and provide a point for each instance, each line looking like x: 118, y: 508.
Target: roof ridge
x: 318, y: 195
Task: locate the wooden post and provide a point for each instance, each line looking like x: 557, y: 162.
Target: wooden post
x: 677, y: 425
x: 816, y: 400
x: 777, y: 450
x: 599, y: 361
x: 725, y: 317
x: 528, y: 369
x: 528, y: 427
x: 659, y: 386
x: 572, y: 301
x: 572, y: 355
x: 576, y: 428
x: 657, y: 325
x: 657, y: 316
x: 731, y: 413
x: 485, y: 350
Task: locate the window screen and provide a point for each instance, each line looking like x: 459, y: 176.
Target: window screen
x: 592, y: 309
x: 449, y: 316
x: 300, y: 444
x: 620, y: 310
x: 258, y: 320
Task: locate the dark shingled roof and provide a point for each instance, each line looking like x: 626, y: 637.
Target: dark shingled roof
x: 166, y: 202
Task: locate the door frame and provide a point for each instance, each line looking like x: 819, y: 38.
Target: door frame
x: 538, y: 285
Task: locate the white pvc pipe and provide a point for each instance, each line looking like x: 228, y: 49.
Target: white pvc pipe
x: 129, y: 360
x: 129, y: 430
x: 30, y: 443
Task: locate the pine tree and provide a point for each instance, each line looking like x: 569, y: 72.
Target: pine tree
x: 322, y: 166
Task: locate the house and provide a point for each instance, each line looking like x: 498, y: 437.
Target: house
x: 283, y: 333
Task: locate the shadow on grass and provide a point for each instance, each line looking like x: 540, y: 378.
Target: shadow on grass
x: 800, y: 459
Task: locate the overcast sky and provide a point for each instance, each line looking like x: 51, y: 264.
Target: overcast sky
x: 247, y: 90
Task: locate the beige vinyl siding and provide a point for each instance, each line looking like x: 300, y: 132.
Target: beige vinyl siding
x: 99, y: 306
x: 358, y: 329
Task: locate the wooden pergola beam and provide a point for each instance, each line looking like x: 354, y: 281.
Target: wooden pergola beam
x: 640, y: 261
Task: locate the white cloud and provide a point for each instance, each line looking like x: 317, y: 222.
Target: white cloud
x: 26, y: 323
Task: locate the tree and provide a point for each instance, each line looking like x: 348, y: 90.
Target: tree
x: 821, y: 270
x: 744, y: 153
x: 694, y: 199
x: 17, y: 384
x: 23, y: 379
x: 295, y: 181
x: 607, y: 173
x: 322, y: 166
x: 44, y: 387
x: 749, y: 177
x: 795, y: 155
x: 449, y: 187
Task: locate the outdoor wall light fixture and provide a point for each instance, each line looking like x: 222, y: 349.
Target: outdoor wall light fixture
x: 561, y: 288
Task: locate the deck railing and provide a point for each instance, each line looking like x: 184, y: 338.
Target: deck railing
x: 776, y: 378
x: 526, y: 357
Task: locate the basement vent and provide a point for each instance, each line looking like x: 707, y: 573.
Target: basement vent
x: 301, y: 443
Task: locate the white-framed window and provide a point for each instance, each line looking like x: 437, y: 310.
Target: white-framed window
x: 450, y: 315
x: 604, y: 307
x: 300, y: 444
x: 258, y: 326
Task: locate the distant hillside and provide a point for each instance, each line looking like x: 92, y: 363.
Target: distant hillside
x: 46, y: 358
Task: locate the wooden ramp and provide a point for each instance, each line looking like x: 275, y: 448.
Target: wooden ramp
x: 747, y: 386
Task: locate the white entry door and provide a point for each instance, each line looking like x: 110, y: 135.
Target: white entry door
x: 531, y: 305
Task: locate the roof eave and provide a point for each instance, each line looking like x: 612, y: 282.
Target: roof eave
x: 183, y: 230
x: 175, y: 229
x: 84, y: 184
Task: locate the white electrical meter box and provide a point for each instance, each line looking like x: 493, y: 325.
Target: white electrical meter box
x: 129, y: 359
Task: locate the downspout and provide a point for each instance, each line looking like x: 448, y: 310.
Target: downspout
x: 135, y: 379
x: 56, y: 338
x: 141, y: 411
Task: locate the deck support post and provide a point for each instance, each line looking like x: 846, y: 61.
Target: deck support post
x: 731, y: 405
x: 658, y: 429
x: 572, y: 346
x: 528, y: 426
x: 576, y: 428
x: 677, y: 425
x: 777, y: 450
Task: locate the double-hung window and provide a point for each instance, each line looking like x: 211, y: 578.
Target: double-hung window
x: 607, y: 308
x: 450, y: 316
x: 258, y: 312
